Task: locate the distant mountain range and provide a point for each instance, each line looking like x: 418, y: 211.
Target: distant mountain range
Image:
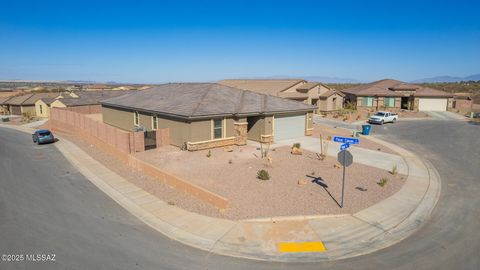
x: 438, y: 79
x: 324, y: 79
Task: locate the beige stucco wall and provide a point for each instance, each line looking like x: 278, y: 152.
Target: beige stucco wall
x: 201, y: 130
x: 263, y: 126
x: 118, y: 118
x: 180, y: 131
x: 28, y: 110
x: 42, y: 109
x: 257, y: 129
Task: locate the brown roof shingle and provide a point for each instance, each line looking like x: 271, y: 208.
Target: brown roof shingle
x: 204, y: 100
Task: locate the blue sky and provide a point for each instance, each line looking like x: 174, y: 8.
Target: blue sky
x: 166, y: 41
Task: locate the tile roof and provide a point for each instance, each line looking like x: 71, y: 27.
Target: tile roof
x: 91, y: 98
x: 270, y: 87
x: 48, y: 101
x: 4, y: 99
x: 18, y: 100
x: 389, y: 87
x: 204, y: 100
x: 30, y: 99
x: 308, y: 85
x: 331, y: 92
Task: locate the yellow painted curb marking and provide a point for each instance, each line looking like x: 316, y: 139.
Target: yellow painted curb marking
x: 301, y: 247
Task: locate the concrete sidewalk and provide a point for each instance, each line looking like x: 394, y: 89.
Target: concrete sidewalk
x: 343, y: 236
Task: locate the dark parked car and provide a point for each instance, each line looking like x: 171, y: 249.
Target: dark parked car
x: 43, y: 136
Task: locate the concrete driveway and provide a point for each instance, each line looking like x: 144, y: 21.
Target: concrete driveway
x: 445, y: 116
x: 363, y: 156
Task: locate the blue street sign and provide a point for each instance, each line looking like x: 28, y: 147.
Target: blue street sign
x: 344, y: 146
x: 346, y: 140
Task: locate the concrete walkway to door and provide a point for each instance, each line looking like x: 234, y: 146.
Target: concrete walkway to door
x: 364, y: 156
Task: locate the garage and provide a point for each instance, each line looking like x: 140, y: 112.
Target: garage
x: 15, y: 110
x: 432, y: 104
x: 289, y: 127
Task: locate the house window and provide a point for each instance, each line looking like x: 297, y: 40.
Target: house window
x: 217, y: 128
x: 389, y: 102
x: 136, y: 121
x: 367, y: 101
x: 41, y: 109
x: 154, y: 122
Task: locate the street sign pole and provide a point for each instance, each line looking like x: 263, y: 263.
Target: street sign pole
x: 343, y: 181
x: 345, y: 158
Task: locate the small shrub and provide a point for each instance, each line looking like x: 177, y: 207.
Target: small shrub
x: 312, y: 173
x: 263, y: 175
x: 383, y: 182
x: 394, y: 170
x: 230, y: 161
x: 350, y: 106
x: 209, y: 154
x: 296, y: 145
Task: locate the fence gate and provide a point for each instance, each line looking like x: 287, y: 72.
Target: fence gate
x: 150, y: 140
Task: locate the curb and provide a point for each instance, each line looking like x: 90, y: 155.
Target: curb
x: 345, y: 236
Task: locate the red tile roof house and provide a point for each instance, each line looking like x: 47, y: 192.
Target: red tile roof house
x: 311, y: 93
x: 393, y: 95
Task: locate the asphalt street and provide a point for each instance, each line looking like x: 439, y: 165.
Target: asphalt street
x: 47, y: 207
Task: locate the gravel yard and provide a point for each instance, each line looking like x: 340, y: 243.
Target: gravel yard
x: 143, y: 181
x: 364, y: 141
x: 299, y: 184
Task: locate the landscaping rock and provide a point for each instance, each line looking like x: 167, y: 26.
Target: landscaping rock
x: 296, y: 151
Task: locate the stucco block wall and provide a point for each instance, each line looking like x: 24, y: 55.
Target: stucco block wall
x: 463, y: 105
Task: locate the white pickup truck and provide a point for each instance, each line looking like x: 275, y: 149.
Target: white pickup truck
x: 383, y: 117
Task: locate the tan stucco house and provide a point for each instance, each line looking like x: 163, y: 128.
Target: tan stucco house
x: 206, y: 115
x: 395, y: 95
x: 80, y: 101
x: 312, y: 93
x: 25, y: 104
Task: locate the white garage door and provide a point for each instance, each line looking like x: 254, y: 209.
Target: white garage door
x: 432, y: 104
x: 289, y: 127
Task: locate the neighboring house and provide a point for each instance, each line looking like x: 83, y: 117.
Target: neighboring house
x: 206, y: 115
x: 42, y: 107
x: 396, y: 95
x: 463, y: 102
x: 312, y: 93
x: 80, y: 101
x: 25, y: 104
x: 4, y: 107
